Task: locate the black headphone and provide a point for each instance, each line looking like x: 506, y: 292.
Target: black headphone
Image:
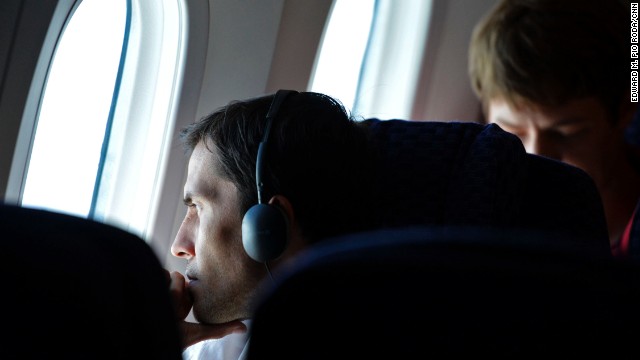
x: 265, y: 228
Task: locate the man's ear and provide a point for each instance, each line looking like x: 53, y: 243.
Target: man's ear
x: 296, y: 240
x: 285, y: 205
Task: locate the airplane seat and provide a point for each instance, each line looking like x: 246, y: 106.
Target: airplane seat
x: 449, y: 292
x: 471, y: 174
x: 479, y: 250
x: 79, y: 289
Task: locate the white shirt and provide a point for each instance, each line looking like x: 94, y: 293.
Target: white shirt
x: 230, y: 347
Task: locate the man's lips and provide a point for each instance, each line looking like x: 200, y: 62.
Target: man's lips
x: 190, y: 273
x: 192, y: 285
x: 191, y: 278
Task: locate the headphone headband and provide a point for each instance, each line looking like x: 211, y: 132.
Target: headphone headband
x: 278, y: 99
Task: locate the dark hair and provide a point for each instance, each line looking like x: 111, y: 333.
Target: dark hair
x: 317, y: 156
x: 550, y: 51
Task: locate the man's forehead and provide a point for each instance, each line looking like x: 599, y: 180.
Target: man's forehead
x: 202, y: 169
x: 203, y: 155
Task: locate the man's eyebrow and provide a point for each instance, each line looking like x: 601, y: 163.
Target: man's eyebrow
x: 187, y: 199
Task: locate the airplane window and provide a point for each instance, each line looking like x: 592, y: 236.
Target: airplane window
x: 107, y: 113
x: 342, y: 50
x: 75, y: 109
x: 372, y: 54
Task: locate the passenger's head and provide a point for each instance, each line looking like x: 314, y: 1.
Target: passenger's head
x: 317, y: 170
x: 549, y: 52
x: 557, y: 74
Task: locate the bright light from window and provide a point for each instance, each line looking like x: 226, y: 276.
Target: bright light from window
x: 372, y: 54
x: 337, y: 71
x: 75, y: 109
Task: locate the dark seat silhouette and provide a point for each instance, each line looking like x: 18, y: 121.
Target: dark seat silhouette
x: 453, y: 292
x: 78, y: 289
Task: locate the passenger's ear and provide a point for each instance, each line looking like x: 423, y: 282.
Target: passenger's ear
x: 296, y: 241
x: 284, y: 204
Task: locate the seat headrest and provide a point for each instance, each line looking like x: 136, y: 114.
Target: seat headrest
x: 463, y: 173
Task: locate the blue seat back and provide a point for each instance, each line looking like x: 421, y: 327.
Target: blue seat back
x: 461, y: 173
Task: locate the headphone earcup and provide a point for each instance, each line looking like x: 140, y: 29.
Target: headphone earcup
x: 265, y: 232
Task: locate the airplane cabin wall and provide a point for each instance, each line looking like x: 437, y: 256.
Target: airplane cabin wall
x: 23, y: 29
x: 444, y: 92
